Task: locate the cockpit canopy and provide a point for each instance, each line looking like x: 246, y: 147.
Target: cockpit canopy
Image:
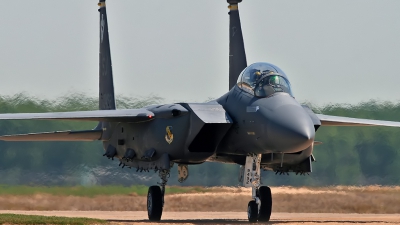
x: 263, y: 80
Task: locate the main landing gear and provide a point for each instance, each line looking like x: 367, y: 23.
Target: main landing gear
x: 155, y: 197
x: 258, y: 209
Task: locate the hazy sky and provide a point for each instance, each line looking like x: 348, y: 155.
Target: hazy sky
x: 333, y: 51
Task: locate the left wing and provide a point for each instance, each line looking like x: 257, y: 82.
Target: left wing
x: 327, y: 120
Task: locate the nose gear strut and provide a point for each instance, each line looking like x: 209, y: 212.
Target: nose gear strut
x: 261, y: 206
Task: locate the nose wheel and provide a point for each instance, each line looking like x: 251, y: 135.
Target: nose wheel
x: 266, y: 204
x: 258, y: 209
x: 252, y: 211
x: 260, y: 212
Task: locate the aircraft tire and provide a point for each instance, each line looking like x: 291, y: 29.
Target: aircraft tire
x: 154, y: 203
x: 266, y: 204
x: 252, y: 211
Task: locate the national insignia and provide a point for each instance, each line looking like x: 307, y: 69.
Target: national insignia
x: 169, y: 136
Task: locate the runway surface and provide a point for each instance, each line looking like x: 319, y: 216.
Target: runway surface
x: 140, y: 217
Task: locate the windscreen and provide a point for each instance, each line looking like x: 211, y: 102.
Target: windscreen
x: 268, y: 85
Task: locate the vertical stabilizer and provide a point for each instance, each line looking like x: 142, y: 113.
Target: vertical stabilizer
x: 237, y: 54
x: 106, y: 84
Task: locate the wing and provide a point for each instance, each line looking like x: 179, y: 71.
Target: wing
x: 327, y: 120
x: 86, y: 135
x: 123, y: 115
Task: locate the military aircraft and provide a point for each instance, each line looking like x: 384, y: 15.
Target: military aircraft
x: 258, y: 125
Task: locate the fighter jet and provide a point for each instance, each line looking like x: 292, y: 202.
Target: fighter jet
x: 257, y: 124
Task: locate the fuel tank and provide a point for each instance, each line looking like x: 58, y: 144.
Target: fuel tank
x: 289, y: 162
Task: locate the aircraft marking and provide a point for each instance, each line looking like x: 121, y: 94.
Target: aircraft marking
x: 169, y: 136
x: 233, y: 31
x: 248, y: 180
x: 233, y: 7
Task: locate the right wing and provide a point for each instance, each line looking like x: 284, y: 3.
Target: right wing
x: 122, y: 115
x: 86, y: 135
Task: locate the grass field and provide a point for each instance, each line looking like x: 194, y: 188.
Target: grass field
x: 339, y: 199
x: 93, y: 191
x: 25, y: 219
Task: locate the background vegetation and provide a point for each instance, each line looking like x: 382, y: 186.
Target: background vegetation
x: 30, y: 219
x: 348, y: 155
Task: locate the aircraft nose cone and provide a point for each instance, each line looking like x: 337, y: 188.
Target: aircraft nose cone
x: 290, y: 129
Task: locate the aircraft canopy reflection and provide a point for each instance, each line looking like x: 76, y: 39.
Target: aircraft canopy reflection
x: 264, y: 80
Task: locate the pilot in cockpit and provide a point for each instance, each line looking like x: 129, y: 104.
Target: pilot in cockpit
x: 266, y: 84
x: 253, y: 77
x: 262, y: 80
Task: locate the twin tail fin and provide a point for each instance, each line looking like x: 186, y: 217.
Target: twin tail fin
x: 106, y: 84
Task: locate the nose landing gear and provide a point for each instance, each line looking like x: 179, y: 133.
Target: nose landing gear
x: 155, y: 197
x: 258, y: 209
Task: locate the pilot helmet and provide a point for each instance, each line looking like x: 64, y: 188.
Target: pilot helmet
x: 255, y: 75
x: 274, y: 80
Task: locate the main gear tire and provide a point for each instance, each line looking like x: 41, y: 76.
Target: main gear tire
x: 252, y: 211
x: 154, y: 203
x: 266, y: 204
